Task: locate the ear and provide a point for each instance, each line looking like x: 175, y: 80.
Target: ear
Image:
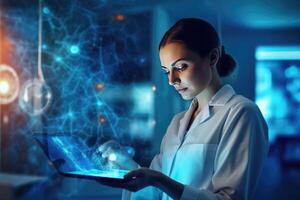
x: 214, y: 56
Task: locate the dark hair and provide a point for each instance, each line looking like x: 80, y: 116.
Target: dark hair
x: 200, y: 37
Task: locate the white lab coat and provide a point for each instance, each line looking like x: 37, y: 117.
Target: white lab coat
x: 220, y: 157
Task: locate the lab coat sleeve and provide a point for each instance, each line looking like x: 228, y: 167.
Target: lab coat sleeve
x: 239, y: 157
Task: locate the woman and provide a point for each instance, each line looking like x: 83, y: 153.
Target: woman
x: 215, y: 149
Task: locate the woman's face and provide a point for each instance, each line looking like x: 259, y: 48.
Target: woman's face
x: 189, y: 73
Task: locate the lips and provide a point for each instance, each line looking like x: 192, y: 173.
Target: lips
x: 181, y: 89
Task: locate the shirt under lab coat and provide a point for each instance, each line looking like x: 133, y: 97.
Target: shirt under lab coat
x: 219, y: 157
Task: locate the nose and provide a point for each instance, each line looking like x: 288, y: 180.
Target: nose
x: 173, y: 78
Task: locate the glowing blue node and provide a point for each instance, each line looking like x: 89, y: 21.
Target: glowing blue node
x: 44, y: 46
x: 71, y: 114
x: 130, y: 151
x: 74, y: 49
x: 35, y: 97
x: 142, y: 60
x: 58, y: 59
x: 46, y: 10
x: 99, y: 103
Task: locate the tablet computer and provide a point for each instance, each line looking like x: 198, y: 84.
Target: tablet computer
x: 73, y: 158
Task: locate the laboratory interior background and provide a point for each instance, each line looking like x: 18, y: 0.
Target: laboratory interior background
x: 91, y: 69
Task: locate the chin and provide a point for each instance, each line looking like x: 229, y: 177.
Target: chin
x: 185, y: 97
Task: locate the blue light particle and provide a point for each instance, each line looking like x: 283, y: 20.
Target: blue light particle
x: 141, y: 60
x: 58, y: 59
x: 99, y: 103
x: 70, y: 114
x: 74, y: 49
x: 130, y: 151
x: 46, y: 10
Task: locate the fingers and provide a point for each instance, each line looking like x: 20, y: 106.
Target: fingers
x: 113, y: 155
x: 133, y: 185
x: 113, y: 159
x: 105, y: 149
x: 129, y: 175
x: 107, y: 152
x: 109, y: 144
x: 105, y: 145
x: 112, y: 183
x: 133, y: 181
x: 133, y: 174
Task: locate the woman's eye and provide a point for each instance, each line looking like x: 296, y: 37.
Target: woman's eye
x: 181, y: 66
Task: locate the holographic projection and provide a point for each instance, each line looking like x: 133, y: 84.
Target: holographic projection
x: 72, y: 157
x: 79, y: 69
x: 278, y: 88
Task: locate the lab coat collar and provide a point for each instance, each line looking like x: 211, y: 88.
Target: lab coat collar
x: 222, y: 96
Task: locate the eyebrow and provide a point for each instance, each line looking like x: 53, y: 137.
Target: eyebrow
x: 174, y: 63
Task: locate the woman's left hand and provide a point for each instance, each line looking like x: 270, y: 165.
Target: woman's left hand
x: 140, y: 178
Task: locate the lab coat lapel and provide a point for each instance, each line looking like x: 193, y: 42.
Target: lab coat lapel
x: 202, y: 117
x: 183, y: 123
x: 206, y: 114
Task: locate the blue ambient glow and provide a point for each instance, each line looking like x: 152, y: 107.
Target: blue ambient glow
x: 278, y: 88
x: 278, y: 53
x: 95, y: 68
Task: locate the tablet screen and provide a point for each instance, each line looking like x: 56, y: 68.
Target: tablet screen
x: 70, y: 155
x: 114, y: 173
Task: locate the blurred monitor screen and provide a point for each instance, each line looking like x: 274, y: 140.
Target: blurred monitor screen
x: 278, y: 88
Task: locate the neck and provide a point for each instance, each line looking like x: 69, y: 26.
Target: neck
x: 205, y: 96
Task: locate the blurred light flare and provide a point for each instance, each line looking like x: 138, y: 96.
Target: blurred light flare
x: 153, y: 88
x: 278, y: 53
x: 4, y: 87
x: 99, y: 86
x: 35, y: 97
x: 112, y: 157
x: 5, y: 119
x: 9, y: 84
x: 102, y: 119
x: 119, y: 17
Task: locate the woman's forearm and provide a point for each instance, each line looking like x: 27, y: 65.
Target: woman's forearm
x: 169, y: 186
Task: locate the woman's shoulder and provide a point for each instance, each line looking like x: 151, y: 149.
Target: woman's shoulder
x: 239, y: 103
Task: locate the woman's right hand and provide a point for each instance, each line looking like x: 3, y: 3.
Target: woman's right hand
x: 116, y: 156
